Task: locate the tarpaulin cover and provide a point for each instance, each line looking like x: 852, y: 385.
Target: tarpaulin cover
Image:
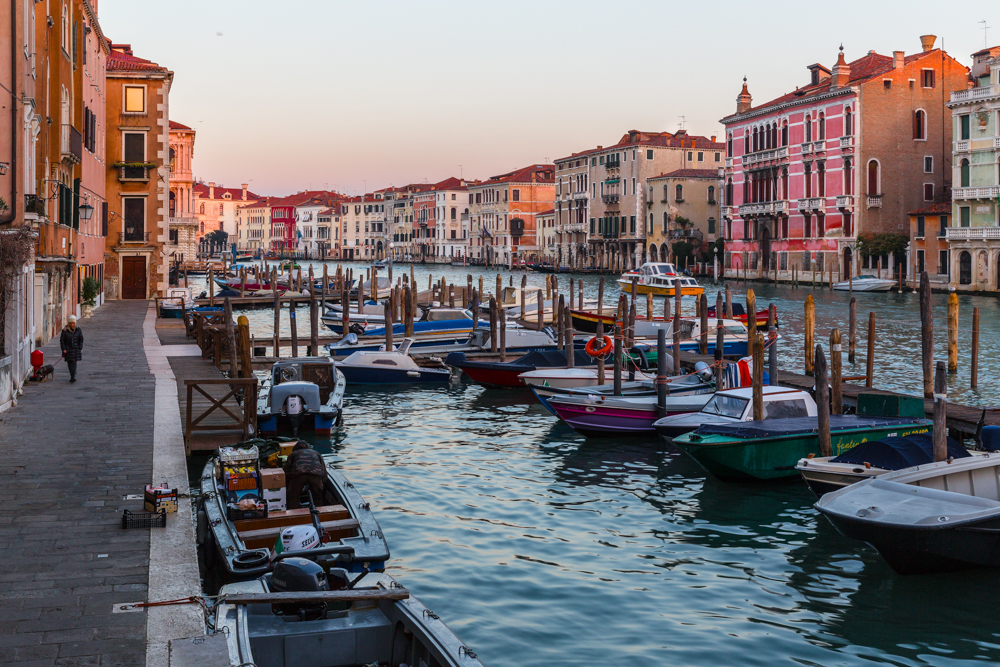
x: 770, y: 428
x: 897, y: 453
x: 530, y: 361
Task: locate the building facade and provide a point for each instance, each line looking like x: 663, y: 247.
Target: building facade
x: 974, y: 237
x: 138, y: 150
x: 850, y: 153
x: 683, y: 209
x: 253, y: 226
x: 216, y: 207
x: 182, y: 241
x: 928, y: 250
x: 502, y: 212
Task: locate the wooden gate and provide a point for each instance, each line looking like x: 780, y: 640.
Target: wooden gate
x: 134, y: 277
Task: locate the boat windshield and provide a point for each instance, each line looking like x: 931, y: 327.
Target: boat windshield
x: 736, y: 330
x: 726, y: 406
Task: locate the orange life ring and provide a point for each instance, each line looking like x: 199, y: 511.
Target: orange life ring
x: 591, y: 344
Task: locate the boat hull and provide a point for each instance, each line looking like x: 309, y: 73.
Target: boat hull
x: 375, y: 375
x: 656, y: 290
x: 597, y: 421
x: 277, y: 423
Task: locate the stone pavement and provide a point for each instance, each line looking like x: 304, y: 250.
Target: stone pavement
x: 70, y: 453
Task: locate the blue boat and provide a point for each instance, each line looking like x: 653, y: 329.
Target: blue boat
x: 306, y: 392
x: 388, y: 367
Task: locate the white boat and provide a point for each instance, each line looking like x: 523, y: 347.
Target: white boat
x: 865, y: 284
x: 177, y: 300
x: 735, y: 405
x: 659, y: 278
x: 388, y: 367
x: 301, y: 392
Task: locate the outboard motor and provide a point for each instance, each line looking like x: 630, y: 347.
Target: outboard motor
x: 299, y: 575
x: 991, y: 438
x: 293, y: 408
x: 703, y: 371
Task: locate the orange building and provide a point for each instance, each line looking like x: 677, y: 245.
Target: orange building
x: 502, y: 212
x: 138, y: 145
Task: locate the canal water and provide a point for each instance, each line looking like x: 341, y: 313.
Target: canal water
x: 543, y: 548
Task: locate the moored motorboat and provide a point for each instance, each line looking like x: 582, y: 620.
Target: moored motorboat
x: 734, y: 339
x: 929, y: 518
x: 506, y: 374
x: 659, y: 278
x: 604, y: 416
x: 177, y: 301
x: 770, y: 448
x: 238, y: 542
x: 304, y: 392
x: 388, y: 367
x: 865, y: 284
x: 519, y: 341
x: 736, y: 405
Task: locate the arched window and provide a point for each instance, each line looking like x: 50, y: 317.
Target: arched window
x: 774, y: 135
x: 711, y: 194
x: 784, y: 183
x: 809, y: 129
x: 784, y: 133
x: 873, y: 178
x: 221, y: 209
x: 729, y: 145
x: 821, y: 179
x: 822, y: 127
x: 848, y: 178
x: 202, y: 208
x: 679, y: 193
x: 965, y: 268
x: 729, y: 192
x: 848, y: 122
x: 452, y: 212
x: 919, y: 124
x: 746, y: 142
x: 964, y: 174
x: 756, y: 143
x: 767, y: 136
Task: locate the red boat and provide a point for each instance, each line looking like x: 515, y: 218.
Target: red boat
x: 740, y: 313
x: 495, y: 374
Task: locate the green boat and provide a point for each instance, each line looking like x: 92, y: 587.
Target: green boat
x: 770, y: 448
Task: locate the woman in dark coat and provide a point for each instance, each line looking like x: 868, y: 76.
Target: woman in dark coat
x: 71, y: 342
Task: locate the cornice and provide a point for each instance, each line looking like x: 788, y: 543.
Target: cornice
x: 763, y: 111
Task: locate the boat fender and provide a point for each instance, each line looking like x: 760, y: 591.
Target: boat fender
x: 592, y: 350
x: 202, y: 529
x: 703, y: 371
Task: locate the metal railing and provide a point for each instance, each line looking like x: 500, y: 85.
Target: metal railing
x: 133, y: 173
x: 71, y: 142
x: 133, y: 237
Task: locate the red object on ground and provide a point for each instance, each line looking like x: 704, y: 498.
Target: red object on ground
x: 37, y: 359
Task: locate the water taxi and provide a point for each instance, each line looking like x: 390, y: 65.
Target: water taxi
x: 658, y: 278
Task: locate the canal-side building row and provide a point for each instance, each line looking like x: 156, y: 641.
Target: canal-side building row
x: 850, y: 153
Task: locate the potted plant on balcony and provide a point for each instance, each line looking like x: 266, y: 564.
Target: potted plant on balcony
x: 89, y: 293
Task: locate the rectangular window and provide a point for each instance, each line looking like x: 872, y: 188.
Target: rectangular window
x: 718, y: 157
x: 601, y: 159
x: 690, y: 156
x: 920, y: 226
x: 928, y: 192
x: 711, y: 225
x: 943, y: 262
x: 631, y: 225
x: 964, y: 216
x: 135, y: 99
x: 592, y: 226
x: 701, y: 156
x: 593, y: 162
x: 920, y: 262
x: 963, y: 127
x: 134, y: 218
x: 886, y: 84
x: 649, y: 154
x: 927, y: 78
x: 942, y: 226
x: 517, y: 195
x: 928, y: 164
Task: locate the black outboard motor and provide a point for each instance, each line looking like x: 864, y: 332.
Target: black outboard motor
x: 298, y: 575
x: 991, y: 438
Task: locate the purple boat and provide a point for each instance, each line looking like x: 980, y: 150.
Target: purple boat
x: 603, y: 416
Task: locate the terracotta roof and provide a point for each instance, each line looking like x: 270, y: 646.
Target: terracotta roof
x: 635, y: 138
x: 201, y: 190
x: 174, y: 125
x: 121, y: 60
x: 869, y: 66
x: 934, y: 209
x: 523, y: 175
x: 551, y: 211
x: 689, y: 173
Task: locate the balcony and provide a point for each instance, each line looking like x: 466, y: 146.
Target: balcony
x: 760, y: 208
x: 34, y: 207
x: 763, y: 156
x: 989, y: 192
x: 727, y: 211
x: 819, y: 146
x: 71, y: 143
x: 807, y: 148
x: 846, y: 143
x: 976, y: 93
x: 781, y: 206
x: 133, y: 174
x: 818, y: 204
x: 874, y: 201
x: 803, y: 204
x: 612, y: 164
x: 962, y: 146
x: 973, y: 233
x: 575, y: 227
x: 610, y: 199
x: 845, y: 201
x: 729, y: 163
x: 134, y: 236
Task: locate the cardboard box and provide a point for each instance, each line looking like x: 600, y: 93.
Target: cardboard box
x: 286, y: 448
x: 272, y: 478
x: 276, y: 499
x: 157, y: 498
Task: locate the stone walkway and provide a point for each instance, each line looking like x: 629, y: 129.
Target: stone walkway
x: 70, y: 453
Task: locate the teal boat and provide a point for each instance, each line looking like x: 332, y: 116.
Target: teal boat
x: 770, y: 448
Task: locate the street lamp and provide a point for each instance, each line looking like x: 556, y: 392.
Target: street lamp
x: 3, y: 168
x: 86, y: 211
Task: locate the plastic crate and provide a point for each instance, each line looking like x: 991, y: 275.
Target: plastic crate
x: 238, y: 456
x: 144, y: 519
x: 237, y: 514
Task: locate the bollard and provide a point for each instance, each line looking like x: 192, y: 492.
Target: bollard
x: 974, y: 383
x: 703, y: 312
x: 503, y: 336
x: 772, y: 349
x: 751, y: 314
x: 836, y: 377
x: 852, y: 329
x: 757, y: 377
x: 277, y: 314
x: 677, y: 327
x: 661, y: 373
x: 822, y: 403
x: 952, y: 332
x: 538, y: 307
x: 810, y: 333
x: 940, y: 414
x: 568, y: 338
x: 729, y: 302
x: 388, y: 325
x: 493, y: 324
x: 870, y: 361
x: 294, y: 326
x: 927, y: 334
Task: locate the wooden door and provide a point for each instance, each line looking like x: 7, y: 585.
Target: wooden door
x: 133, y: 277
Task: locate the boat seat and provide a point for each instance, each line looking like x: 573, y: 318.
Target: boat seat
x: 296, y: 517
x: 266, y: 537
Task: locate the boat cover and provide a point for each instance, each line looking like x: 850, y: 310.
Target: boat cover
x: 894, y: 504
x: 896, y: 453
x: 776, y: 428
x: 528, y: 362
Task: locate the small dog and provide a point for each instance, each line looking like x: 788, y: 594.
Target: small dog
x: 44, y: 373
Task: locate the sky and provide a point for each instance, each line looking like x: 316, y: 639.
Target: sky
x: 355, y: 96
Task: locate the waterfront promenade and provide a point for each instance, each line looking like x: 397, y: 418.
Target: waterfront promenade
x: 72, y: 453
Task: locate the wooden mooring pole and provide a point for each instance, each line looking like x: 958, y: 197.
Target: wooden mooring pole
x: 836, y: 376
x: 974, y: 381
x: 757, y: 379
x: 772, y: 350
x: 940, y: 438
x: 822, y: 403
x: 810, y: 333
x: 952, y: 332
x: 927, y: 334
x: 852, y: 329
x: 294, y: 326
x: 703, y: 313
x: 870, y: 361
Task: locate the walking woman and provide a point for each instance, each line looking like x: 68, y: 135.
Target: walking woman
x: 71, y: 342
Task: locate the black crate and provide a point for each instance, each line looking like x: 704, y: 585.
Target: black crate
x: 237, y: 514
x: 144, y: 519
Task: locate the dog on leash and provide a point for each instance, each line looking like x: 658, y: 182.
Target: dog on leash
x: 44, y: 373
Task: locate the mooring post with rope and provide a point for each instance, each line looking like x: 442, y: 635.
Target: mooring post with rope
x: 661, y: 373
x: 772, y: 345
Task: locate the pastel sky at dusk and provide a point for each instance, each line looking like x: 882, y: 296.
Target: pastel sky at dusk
x: 348, y: 95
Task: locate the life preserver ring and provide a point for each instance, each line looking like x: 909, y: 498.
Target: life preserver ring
x: 592, y: 345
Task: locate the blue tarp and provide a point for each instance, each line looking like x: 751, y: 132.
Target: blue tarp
x: 898, y: 453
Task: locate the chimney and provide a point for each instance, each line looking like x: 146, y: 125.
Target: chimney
x: 927, y: 42
x: 211, y: 190
x: 244, y: 191
x: 713, y: 138
x: 841, y: 72
x: 898, y: 59
x: 743, y: 100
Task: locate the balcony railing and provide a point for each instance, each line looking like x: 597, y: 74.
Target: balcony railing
x: 996, y: 142
x: 819, y: 146
x: 803, y: 204
x: 764, y: 156
x: 846, y: 143
x: 71, y: 143
x: 806, y: 148
x: 729, y: 163
x: 962, y: 146
x: 989, y: 192
x: 133, y: 236
x: 975, y: 93
x: 139, y: 174
x: 845, y: 201
x: 973, y: 233
x: 610, y: 199
x: 727, y: 211
x: 818, y: 203
x: 874, y: 201
x: 612, y: 164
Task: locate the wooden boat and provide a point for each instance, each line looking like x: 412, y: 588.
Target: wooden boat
x: 872, y: 459
x: 769, y: 449
x: 178, y: 300
x: 865, y: 284
x: 371, y: 621
x: 659, y: 278
x: 496, y: 374
x: 734, y: 340
x: 519, y: 341
x: 934, y: 517
x: 305, y: 392
x: 388, y: 367
x: 736, y: 405
x: 602, y: 415
x: 740, y: 314
x: 240, y: 549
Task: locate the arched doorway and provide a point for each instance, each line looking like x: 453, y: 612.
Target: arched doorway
x: 848, y: 263
x: 652, y: 253
x: 378, y: 250
x: 965, y: 268
x: 765, y: 247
